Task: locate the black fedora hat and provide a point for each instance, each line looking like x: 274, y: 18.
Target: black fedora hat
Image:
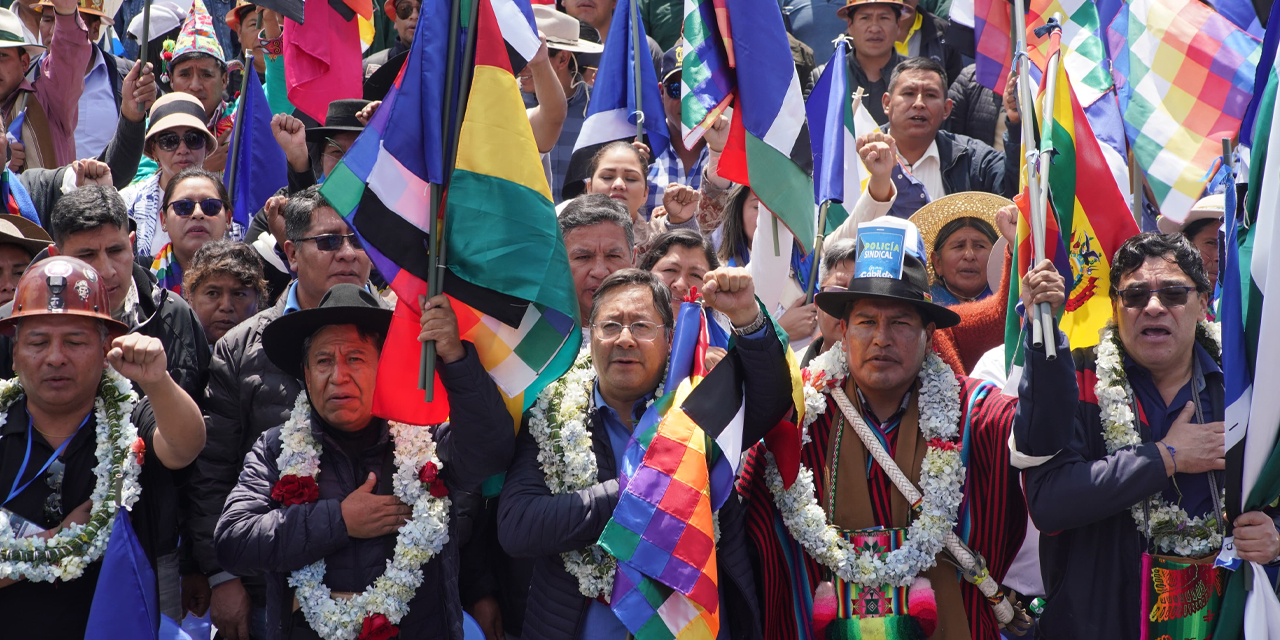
x: 339, y: 118
x: 889, y: 267
x: 343, y: 304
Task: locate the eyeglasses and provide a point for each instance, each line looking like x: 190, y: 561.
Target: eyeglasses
x: 168, y: 140
x: 210, y: 207
x: 53, y: 504
x: 645, y: 331
x: 333, y: 241
x: 405, y: 9
x: 672, y: 87
x: 1169, y: 296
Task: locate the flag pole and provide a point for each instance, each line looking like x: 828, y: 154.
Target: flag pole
x: 426, y: 366
x: 635, y: 49
x: 435, y: 277
x: 817, y: 251
x: 1040, y: 214
x: 143, y: 46
x: 1026, y: 112
x: 238, y: 131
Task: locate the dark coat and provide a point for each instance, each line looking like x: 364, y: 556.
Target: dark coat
x: 122, y: 154
x: 257, y: 535
x: 972, y: 165
x: 975, y: 109
x: 933, y: 44
x: 533, y: 523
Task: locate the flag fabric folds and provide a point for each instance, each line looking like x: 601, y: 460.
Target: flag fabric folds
x: 836, y: 119
x: 1186, y: 74
x: 125, y: 603
x: 611, y: 115
x: 768, y: 146
x: 1249, y: 315
x: 322, y: 60
x: 260, y: 164
x: 707, y: 82
x: 508, y: 273
x: 1082, y: 51
x: 991, y: 29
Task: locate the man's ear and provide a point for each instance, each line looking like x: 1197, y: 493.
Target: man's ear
x: 291, y: 253
x: 946, y: 110
x: 885, y: 99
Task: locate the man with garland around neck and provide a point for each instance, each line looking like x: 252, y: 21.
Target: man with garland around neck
x: 605, y: 393
x: 842, y: 521
x: 349, y: 508
x: 74, y: 365
x: 1128, y: 480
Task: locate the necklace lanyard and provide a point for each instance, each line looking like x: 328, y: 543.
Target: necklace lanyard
x: 15, y: 490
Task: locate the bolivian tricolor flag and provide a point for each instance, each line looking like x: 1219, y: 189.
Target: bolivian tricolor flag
x: 507, y: 273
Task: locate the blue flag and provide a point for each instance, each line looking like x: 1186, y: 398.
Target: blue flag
x: 260, y: 164
x: 826, y: 109
x: 125, y: 601
x: 1265, y: 63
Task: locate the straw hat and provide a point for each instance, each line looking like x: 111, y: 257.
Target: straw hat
x: 91, y: 7
x: 562, y: 31
x: 932, y: 217
x: 20, y: 231
x: 850, y: 5
x: 178, y: 109
x: 11, y: 34
x: 1210, y: 206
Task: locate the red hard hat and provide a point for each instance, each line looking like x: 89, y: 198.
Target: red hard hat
x: 62, y: 285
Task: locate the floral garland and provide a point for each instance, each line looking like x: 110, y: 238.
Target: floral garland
x: 1164, y: 523
x: 70, y: 550
x: 941, y: 482
x: 416, y: 482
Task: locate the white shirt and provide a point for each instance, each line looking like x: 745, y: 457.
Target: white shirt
x: 99, y: 113
x: 928, y: 170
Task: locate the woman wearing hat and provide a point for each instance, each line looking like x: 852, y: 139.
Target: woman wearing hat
x: 194, y: 213
x: 959, y: 231
x: 20, y: 241
x: 177, y: 139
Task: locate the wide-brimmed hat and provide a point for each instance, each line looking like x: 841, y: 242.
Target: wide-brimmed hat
x: 178, y: 109
x: 62, y: 285
x: 11, y: 34
x: 932, y: 217
x: 343, y: 304
x: 889, y: 266
x: 562, y: 31
x: 237, y: 13
x: 165, y: 17
x: 340, y: 117
x: 24, y: 233
x: 91, y: 7
x: 1210, y: 206
x: 850, y: 5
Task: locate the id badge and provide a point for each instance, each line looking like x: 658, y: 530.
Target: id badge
x: 20, y: 526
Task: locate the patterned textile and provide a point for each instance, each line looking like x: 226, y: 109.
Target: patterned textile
x: 992, y: 25
x: 667, y: 168
x: 1083, y: 53
x: 142, y: 201
x: 197, y: 36
x: 1180, y: 599
x: 166, y: 269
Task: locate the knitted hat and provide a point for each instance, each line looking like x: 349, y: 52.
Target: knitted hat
x: 196, y: 38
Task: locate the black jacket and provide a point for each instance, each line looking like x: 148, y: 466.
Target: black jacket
x: 122, y: 154
x: 975, y: 109
x: 257, y: 535
x: 933, y: 44
x: 533, y: 523
x: 972, y: 165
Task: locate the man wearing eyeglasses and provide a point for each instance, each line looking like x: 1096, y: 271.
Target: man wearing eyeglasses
x: 247, y: 395
x: 1144, y: 440
x: 630, y: 340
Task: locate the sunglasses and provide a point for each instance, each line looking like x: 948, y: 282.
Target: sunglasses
x: 672, y: 87
x: 168, y: 140
x: 1169, y: 296
x: 405, y: 9
x: 333, y: 241
x: 210, y: 207
x: 53, y: 504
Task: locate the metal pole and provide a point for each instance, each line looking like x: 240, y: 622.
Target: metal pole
x: 1135, y: 185
x: 144, y: 46
x: 635, y: 50
x: 1040, y: 213
x: 817, y: 251
x: 1026, y: 113
x: 234, y: 151
x: 427, y: 364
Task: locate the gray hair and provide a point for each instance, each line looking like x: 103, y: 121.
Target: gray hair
x: 593, y: 209
x: 835, y: 253
x: 637, y: 277
x: 298, y: 212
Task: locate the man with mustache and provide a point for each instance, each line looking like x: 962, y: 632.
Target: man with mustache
x: 606, y: 392
x: 945, y: 433
x: 247, y: 395
x: 1131, y: 476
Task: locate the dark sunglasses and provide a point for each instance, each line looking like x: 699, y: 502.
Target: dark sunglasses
x: 53, y: 504
x: 1169, y: 296
x: 405, y: 9
x: 333, y: 241
x: 210, y: 207
x: 168, y: 140
x: 672, y: 87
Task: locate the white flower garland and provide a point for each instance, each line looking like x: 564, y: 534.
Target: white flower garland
x: 69, y: 551
x: 1164, y: 523
x: 941, y: 482
x: 419, y: 540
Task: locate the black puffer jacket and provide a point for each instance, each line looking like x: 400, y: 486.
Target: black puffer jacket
x: 256, y: 534
x: 246, y: 396
x: 933, y: 44
x: 975, y: 109
x: 533, y: 523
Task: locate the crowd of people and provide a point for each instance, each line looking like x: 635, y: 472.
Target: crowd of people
x: 217, y: 379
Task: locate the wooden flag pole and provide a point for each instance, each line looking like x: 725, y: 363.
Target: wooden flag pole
x: 238, y: 131
x: 817, y: 252
x: 426, y: 366
x: 635, y: 49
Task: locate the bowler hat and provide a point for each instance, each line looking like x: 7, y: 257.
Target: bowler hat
x: 339, y: 118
